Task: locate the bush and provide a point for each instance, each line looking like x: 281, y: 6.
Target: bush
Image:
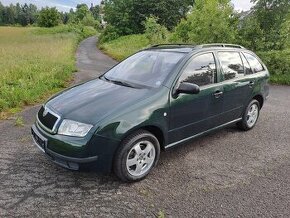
x: 89, y: 20
x: 155, y: 32
x: 278, y: 63
x: 48, y: 17
x: 209, y: 21
x: 109, y: 34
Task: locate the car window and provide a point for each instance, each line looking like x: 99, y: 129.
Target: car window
x: 247, y: 66
x: 232, y: 64
x: 200, y: 71
x: 149, y: 68
x: 254, y: 63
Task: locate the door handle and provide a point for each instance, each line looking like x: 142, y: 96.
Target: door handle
x: 218, y: 94
x: 251, y: 83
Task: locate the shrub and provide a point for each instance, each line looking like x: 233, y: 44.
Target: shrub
x: 48, y: 17
x: 109, y: 34
x: 155, y: 32
x: 210, y: 21
x: 278, y: 63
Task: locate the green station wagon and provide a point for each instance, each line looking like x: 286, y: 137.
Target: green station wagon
x: 156, y: 99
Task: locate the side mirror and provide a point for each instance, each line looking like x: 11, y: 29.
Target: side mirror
x: 188, y: 88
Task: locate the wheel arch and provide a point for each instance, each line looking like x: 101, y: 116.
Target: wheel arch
x: 260, y: 99
x: 154, y: 130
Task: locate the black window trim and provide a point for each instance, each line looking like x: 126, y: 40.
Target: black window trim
x: 243, y: 55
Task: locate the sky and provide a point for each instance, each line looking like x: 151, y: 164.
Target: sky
x: 65, y: 5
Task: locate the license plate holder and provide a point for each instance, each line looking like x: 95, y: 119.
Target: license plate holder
x: 39, y: 140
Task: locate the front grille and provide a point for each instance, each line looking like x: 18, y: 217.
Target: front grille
x: 47, y: 119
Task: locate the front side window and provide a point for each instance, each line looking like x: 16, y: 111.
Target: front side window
x: 200, y: 71
x: 254, y: 63
x: 146, y: 68
x: 232, y: 64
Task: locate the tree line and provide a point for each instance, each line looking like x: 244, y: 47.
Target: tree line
x: 29, y: 14
x: 265, y: 27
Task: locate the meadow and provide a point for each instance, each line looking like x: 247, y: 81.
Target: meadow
x: 34, y: 63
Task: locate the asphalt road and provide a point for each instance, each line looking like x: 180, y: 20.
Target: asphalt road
x: 225, y: 174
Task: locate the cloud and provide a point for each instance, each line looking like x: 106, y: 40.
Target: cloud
x: 242, y: 5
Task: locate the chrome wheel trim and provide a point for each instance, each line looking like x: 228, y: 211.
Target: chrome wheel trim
x: 140, y: 158
x: 252, y: 115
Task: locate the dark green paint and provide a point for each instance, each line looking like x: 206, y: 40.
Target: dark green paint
x: 116, y: 111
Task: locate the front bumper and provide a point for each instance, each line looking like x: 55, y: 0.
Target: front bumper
x: 73, y: 153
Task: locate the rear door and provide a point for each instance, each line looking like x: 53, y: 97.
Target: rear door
x: 237, y: 87
x: 192, y: 114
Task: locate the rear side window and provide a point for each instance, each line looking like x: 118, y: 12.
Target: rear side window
x: 232, y: 64
x: 254, y: 63
x: 247, y: 66
x: 200, y: 71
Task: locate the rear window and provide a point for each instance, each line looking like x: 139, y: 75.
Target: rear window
x: 254, y: 63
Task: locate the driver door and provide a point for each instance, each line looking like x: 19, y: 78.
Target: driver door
x: 191, y: 114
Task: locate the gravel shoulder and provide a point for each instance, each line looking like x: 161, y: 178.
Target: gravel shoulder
x: 228, y: 173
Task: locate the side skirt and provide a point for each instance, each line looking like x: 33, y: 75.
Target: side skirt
x: 202, y: 133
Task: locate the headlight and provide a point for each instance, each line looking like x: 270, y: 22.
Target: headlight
x: 73, y: 128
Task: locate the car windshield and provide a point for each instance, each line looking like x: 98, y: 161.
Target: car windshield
x: 144, y: 69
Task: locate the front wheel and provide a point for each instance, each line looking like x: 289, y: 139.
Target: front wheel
x: 137, y: 156
x: 250, y: 116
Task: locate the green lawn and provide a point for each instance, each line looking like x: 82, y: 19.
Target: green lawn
x: 34, y: 63
x: 125, y: 46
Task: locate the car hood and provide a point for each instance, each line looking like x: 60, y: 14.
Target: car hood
x: 94, y: 100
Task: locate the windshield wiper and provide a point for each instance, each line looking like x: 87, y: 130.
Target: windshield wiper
x: 119, y: 82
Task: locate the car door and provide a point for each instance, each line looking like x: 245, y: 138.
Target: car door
x: 191, y: 114
x: 237, y: 87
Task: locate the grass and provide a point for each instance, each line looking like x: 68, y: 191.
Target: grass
x: 34, y: 63
x: 124, y: 46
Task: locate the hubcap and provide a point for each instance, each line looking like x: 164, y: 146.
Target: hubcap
x: 140, y: 158
x: 252, y: 115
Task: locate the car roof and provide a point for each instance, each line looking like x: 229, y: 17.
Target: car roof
x: 187, y: 48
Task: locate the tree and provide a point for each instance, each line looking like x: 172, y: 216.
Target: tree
x: 1, y: 13
x: 95, y: 10
x: 250, y: 34
x: 271, y: 14
x: 9, y: 15
x: 81, y: 11
x: 48, y: 17
x: 128, y: 16
x: 209, y: 21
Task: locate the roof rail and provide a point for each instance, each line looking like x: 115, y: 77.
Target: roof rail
x: 174, y: 44
x: 221, y: 45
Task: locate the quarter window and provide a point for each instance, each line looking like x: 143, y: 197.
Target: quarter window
x: 255, y: 64
x: 247, y: 66
x: 232, y: 64
x: 200, y: 71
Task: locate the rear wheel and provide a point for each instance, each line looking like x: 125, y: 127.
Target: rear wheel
x: 137, y: 156
x: 250, y: 116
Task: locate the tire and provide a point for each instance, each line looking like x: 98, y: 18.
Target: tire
x: 137, y: 156
x: 248, y: 121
